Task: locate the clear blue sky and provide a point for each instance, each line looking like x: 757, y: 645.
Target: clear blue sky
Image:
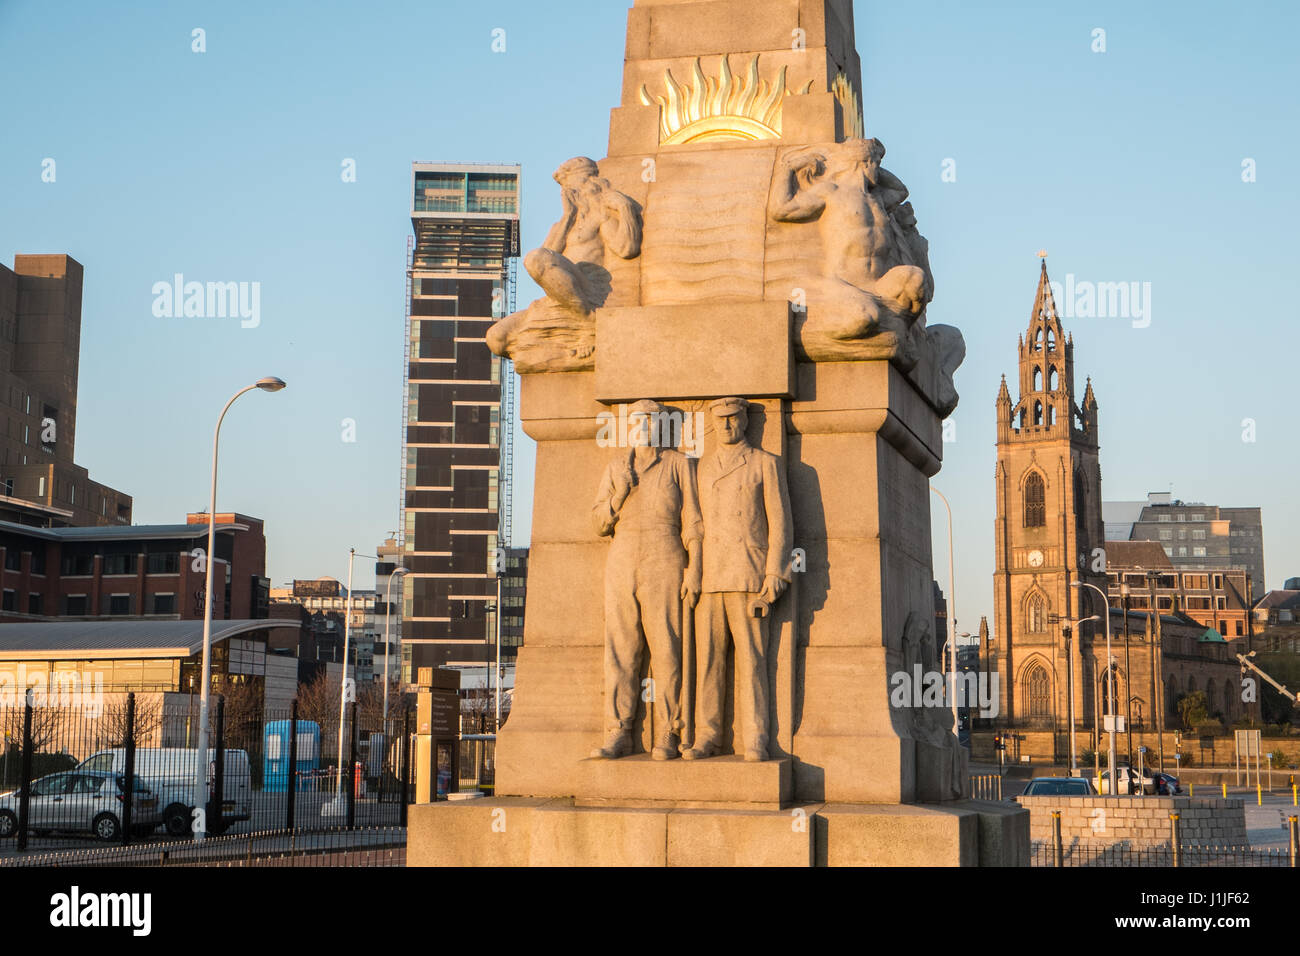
x: 1124, y: 165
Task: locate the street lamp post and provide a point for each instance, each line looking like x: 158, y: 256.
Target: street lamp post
x: 268, y: 384
x: 1128, y: 676
x: 952, y: 619
x: 343, y: 685
x: 1068, y: 626
x: 1110, y: 680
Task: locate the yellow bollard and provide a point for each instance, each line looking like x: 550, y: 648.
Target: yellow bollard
x: 1191, y: 789
x: 1259, y: 794
x: 1294, y: 801
x: 1225, y: 791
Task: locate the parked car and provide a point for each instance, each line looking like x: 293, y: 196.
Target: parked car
x: 81, y: 800
x: 1059, y: 787
x: 169, y: 771
x: 1167, y: 784
x: 1129, y: 782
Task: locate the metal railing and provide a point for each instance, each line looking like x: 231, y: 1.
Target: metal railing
x: 364, y: 847
x: 62, y: 771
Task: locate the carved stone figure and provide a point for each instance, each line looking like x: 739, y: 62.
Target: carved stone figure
x: 556, y: 333
x: 875, y: 275
x: 648, y: 504
x: 747, y: 544
x: 932, y: 725
x: 950, y: 351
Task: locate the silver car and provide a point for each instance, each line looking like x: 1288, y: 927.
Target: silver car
x: 81, y: 801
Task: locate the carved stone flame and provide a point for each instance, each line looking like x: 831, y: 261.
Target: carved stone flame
x: 744, y: 107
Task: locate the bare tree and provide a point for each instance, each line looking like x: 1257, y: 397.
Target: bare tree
x: 370, y: 705
x: 148, y: 720
x: 243, y: 706
x: 47, y: 724
x: 318, y: 700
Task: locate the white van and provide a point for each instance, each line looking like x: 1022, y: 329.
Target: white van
x: 169, y: 772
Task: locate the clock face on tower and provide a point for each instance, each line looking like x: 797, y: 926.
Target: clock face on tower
x: 1035, y: 559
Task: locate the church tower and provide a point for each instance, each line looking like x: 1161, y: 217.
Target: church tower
x: 1048, y: 529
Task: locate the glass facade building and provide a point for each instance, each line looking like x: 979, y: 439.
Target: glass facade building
x: 465, y: 220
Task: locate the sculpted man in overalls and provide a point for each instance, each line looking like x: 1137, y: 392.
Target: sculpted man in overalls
x: 648, y: 504
x: 747, y: 544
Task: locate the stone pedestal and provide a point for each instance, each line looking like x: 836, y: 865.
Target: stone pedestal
x: 515, y: 831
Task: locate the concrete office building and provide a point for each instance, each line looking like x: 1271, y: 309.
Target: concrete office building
x: 514, y: 590
x: 328, y: 607
x: 456, y: 421
x: 40, y: 351
x: 1195, y: 536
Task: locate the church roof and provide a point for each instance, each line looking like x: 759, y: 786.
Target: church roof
x: 1136, y: 554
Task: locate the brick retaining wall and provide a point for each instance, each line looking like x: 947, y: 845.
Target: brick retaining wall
x: 1137, y: 821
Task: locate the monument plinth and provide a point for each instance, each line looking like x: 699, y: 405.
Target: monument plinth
x: 732, y: 361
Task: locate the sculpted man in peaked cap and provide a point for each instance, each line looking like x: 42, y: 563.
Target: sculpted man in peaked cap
x: 747, y: 544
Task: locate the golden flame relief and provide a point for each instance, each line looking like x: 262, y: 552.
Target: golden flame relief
x: 854, y: 127
x: 744, y: 107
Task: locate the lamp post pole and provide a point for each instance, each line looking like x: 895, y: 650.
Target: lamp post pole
x: 952, y: 620
x: 343, y: 685
x: 1128, y: 676
x: 1068, y: 626
x: 268, y: 384
x: 1110, y: 679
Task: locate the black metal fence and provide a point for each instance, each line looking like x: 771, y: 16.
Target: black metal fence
x: 1045, y: 854
x: 63, y: 770
x: 362, y: 847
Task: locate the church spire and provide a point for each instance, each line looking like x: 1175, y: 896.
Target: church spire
x: 1045, y: 399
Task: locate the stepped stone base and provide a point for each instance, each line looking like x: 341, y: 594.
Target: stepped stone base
x: 531, y: 831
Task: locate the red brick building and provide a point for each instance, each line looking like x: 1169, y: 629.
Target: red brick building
x: 133, y: 571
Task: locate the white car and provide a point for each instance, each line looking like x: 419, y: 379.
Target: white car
x: 81, y: 801
x: 1129, y: 782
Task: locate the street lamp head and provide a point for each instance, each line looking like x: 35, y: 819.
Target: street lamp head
x: 270, y: 383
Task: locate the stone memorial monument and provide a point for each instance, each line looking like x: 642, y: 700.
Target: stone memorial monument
x: 743, y: 288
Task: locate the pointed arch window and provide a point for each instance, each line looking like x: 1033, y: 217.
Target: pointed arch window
x: 1052, y: 381
x: 1051, y: 415
x: 1038, y: 693
x: 1038, y: 413
x: 1035, y: 615
x: 1038, y: 379
x: 1035, y: 502
x: 1038, y: 340
x: 1051, y: 340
